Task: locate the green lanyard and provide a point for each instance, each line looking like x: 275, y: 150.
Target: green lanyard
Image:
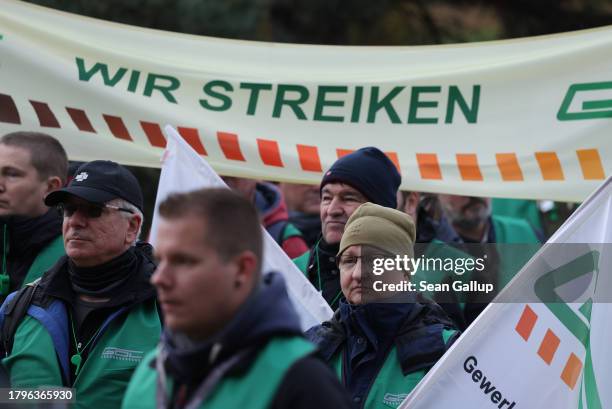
x: 319, y: 274
x: 5, y: 281
x: 77, y: 359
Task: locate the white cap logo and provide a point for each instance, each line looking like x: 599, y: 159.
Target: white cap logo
x: 81, y: 176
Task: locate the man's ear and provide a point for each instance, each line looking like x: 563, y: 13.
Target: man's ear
x: 133, y: 227
x: 247, y: 268
x: 53, y: 183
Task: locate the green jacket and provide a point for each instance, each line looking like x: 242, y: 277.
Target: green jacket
x: 424, y: 335
x: 45, y: 259
x: 392, y: 384
x: 516, y: 242
x: 253, y: 388
x: 518, y: 208
x: 43, y: 262
x: 41, y: 348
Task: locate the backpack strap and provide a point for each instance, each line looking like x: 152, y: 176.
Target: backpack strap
x: 277, y: 231
x: 13, y: 313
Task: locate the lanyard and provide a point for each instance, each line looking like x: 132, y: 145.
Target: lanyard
x: 319, y: 274
x: 77, y: 359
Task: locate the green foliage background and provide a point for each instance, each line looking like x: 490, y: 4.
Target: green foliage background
x: 350, y: 22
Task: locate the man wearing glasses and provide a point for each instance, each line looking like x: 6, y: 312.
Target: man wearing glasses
x: 93, y: 315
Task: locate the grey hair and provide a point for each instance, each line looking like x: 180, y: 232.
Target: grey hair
x: 136, y: 211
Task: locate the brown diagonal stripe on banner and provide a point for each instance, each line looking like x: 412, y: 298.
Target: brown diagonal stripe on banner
x: 8, y: 110
x: 117, y: 127
x: 45, y: 115
x: 80, y: 119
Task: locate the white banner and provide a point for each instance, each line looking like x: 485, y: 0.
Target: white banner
x: 184, y: 170
x: 549, y: 354
x: 528, y: 118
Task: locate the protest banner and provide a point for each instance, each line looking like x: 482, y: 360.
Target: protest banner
x: 527, y: 118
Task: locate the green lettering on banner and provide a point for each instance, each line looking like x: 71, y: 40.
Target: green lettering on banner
x: 134, y: 77
x: 385, y: 103
x: 254, y: 87
x: 456, y: 98
x: 416, y: 103
x: 86, y: 75
x: 322, y: 102
x: 294, y: 104
x: 166, y: 90
x: 545, y: 287
x: 593, y: 109
x: 357, y: 104
x: 209, y: 89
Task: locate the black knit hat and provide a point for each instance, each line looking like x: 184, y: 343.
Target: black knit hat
x: 100, y: 181
x: 369, y: 171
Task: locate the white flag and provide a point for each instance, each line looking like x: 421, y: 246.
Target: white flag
x: 184, y: 170
x: 545, y: 342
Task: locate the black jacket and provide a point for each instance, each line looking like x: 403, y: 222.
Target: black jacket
x: 323, y: 273
x: 367, y: 332
x: 23, y: 238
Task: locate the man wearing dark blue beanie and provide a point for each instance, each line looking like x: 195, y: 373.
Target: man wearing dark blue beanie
x: 366, y: 175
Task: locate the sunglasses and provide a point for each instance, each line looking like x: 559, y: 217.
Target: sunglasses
x: 92, y: 211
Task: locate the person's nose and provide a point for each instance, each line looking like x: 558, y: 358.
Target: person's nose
x: 335, y: 207
x: 357, y: 271
x: 161, y: 276
x: 77, y: 219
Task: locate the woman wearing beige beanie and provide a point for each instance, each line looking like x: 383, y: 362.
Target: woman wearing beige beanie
x: 381, y: 343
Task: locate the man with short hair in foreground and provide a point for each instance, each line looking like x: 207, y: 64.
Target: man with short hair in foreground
x: 232, y: 338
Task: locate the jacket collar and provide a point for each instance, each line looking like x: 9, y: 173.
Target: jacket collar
x: 419, y: 340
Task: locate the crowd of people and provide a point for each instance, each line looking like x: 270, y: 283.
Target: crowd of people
x: 195, y: 322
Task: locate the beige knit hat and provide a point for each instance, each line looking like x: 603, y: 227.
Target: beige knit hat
x: 382, y: 227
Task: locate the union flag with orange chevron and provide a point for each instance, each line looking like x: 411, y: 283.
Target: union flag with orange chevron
x: 544, y: 341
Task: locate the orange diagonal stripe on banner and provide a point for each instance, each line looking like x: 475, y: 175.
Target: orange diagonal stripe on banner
x: 549, y: 166
x: 309, y: 158
x: 590, y: 162
x: 509, y: 167
x: 230, y: 146
x: 269, y: 152
x: 395, y: 159
x: 526, y: 323
x: 429, y: 166
x: 549, y: 346
x: 468, y: 166
x: 192, y: 137
x: 572, y: 371
x: 154, y: 134
x: 343, y: 152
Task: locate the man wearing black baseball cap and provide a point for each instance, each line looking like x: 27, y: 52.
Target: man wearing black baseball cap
x: 93, y: 315
x: 366, y: 175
